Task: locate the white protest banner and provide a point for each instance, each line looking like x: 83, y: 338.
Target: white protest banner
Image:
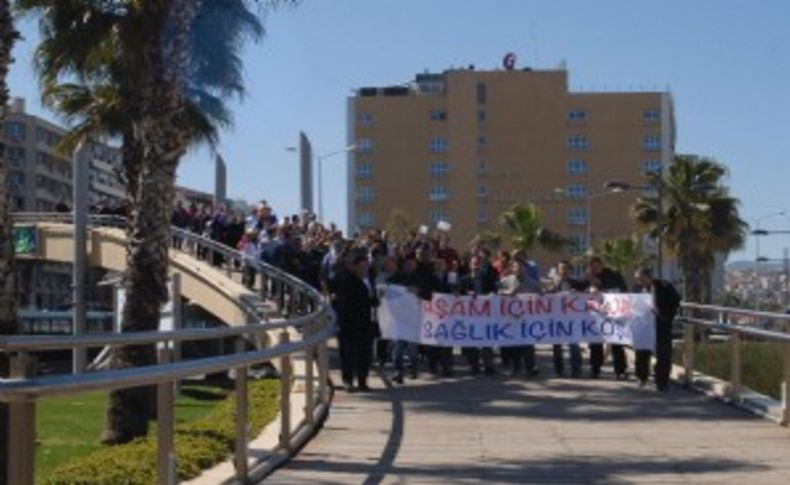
x: 526, y: 319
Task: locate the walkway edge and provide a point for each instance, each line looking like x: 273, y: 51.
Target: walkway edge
x: 266, y: 454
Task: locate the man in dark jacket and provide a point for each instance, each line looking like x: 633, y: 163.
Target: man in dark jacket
x: 354, y: 300
x: 481, y: 280
x: 666, y: 302
x: 606, y: 280
x: 407, y: 276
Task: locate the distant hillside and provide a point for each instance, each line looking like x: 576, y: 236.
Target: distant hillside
x: 742, y: 265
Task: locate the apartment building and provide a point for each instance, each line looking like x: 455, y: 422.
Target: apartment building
x: 464, y: 145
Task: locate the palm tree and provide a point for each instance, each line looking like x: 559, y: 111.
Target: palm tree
x: 8, y: 35
x: 154, y: 73
x: 522, y: 229
x: 623, y: 254
x: 699, y: 219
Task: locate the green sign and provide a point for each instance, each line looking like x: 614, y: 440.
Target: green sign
x: 25, y: 240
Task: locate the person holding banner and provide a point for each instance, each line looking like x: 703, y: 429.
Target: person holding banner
x: 406, y: 276
x: 564, y: 283
x: 601, y: 278
x: 481, y: 280
x: 354, y: 302
x: 516, y: 282
x: 667, y: 302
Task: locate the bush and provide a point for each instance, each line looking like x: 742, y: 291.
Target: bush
x: 198, y: 445
x: 761, y: 363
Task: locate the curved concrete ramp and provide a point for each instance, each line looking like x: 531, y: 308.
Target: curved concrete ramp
x: 106, y: 248
x: 469, y: 430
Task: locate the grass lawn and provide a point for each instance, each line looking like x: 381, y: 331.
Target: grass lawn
x: 71, y: 426
x: 761, y: 361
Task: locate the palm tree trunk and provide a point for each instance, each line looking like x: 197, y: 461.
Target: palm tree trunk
x: 162, y: 141
x: 8, y: 36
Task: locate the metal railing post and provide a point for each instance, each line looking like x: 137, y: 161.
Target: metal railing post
x: 688, y: 354
x: 309, y: 381
x: 734, y: 390
x: 21, y: 428
x: 285, y: 394
x: 323, y: 371
x: 165, y: 400
x: 241, y: 451
x: 785, y: 419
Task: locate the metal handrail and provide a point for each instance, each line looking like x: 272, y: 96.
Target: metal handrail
x: 314, y: 326
x: 734, y: 390
x: 25, y: 389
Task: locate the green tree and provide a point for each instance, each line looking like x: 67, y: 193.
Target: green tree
x: 146, y: 70
x: 622, y: 254
x: 399, y: 226
x: 8, y: 35
x: 699, y: 219
x: 522, y: 228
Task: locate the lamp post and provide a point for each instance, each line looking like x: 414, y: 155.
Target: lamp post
x: 757, y: 233
x: 320, y: 159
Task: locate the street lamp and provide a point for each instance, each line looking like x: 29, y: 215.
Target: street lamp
x: 320, y: 159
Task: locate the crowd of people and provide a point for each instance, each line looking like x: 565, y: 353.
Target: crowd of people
x: 348, y: 271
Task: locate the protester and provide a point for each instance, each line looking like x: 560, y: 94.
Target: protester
x: 562, y: 282
x: 481, y: 280
x: 666, y: 303
x: 606, y: 280
x: 515, y: 282
x: 354, y: 300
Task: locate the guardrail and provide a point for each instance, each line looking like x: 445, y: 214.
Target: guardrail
x: 719, y: 319
x: 304, y: 313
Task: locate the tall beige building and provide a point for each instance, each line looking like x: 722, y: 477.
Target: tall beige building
x: 464, y: 145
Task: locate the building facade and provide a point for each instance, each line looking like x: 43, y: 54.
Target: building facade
x: 41, y: 177
x: 40, y: 180
x: 462, y: 146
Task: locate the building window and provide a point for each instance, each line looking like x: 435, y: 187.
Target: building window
x: 481, y: 93
x: 651, y: 142
x: 365, y: 145
x: 438, y: 193
x: 481, y: 190
x: 364, y: 170
x: 365, y: 194
x: 651, y: 115
x: 439, y: 169
x: 365, y: 119
x: 652, y: 166
x: 365, y: 219
x: 577, y: 216
x: 482, y: 217
x: 15, y: 130
x: 481, y: 115
x: 437, y: 115
x: 577, y: 142
x: 577, y: 115
x: 482, y: 168
x: 437, y: 216
x: 437, y: 145
x: 578, y: 243
x: 576, y: 191
x: 20, y: 203
x: 576, y: 167
x: 16, y: 156
x: 481, y: 142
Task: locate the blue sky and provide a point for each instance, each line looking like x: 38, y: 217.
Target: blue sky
x: 726, y: 62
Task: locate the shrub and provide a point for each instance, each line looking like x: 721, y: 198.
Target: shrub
x: 198, y: 445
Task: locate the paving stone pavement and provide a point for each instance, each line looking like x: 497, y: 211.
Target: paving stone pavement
x: 469, y: 430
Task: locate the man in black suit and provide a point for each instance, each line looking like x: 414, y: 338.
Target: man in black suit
x: 667, y: 301
x: 481, y: 280
x: 606, y: 280
x: 354, y: 300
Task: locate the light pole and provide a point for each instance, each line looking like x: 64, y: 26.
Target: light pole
x: 320, y: 159
x: 757, y: 233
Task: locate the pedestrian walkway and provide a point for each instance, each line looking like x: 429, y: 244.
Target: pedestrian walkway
x: 500, y: 430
